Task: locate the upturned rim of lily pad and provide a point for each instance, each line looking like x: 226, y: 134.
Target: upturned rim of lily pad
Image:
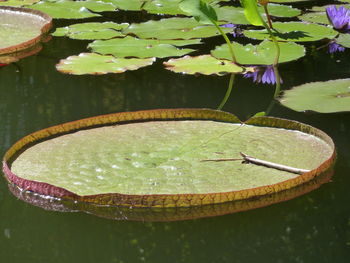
x: 46, y: 26
x: 149, y: 214
x: 161, y: 200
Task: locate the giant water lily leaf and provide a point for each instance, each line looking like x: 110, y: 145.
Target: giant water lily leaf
x: 344, y: 40
x: 163, y: 158
x: 21, y: 28
x: 170, y: 213
x: 17, y: 3
x: 294, y: 31
x: 69, y: 9
x: 91, y: 63
x: 262, y: 54
x: 205, y: 64
x: 324, y: 97
x: 173, y: 28
x: 133, y: 47
x: 104, y: 30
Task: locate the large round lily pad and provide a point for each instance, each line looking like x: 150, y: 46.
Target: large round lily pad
x: 325, y: 97
x: 166, y: 158
x: 170, y: 213
x: 21, y: 28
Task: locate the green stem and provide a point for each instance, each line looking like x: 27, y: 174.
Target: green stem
x: 230, y: 47
x: 228, y: 92
x: 268, y: 16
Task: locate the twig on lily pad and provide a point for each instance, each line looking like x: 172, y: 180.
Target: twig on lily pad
x: 249, y: 159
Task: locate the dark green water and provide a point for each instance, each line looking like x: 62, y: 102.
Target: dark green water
x: 311, y: 228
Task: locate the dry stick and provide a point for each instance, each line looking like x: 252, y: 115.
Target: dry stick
x: 250, y: 159
x: 277, y: 166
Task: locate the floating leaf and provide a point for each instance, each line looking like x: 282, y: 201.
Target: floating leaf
x: 201, y: 11
x: 104, y: 30
x: 289, y: 1
x: 69, y: 9
x: 134, y: 47
x: 294, y: 31
x: 236, y: 15
x: 281, y: 10
x: 325, y: 97
x: 17, y: 3
x: 205, y: 64
x: 173, y: 28
x: 262, y: 54
x: 21, y: 28
x: 231, y: 14
x: 161, y: 158
x: 169, y: 214
x: 344, y: 40
x: 323, y: 8
x: 129, y: 5
x: 315, y: 17
x: 91, y: 63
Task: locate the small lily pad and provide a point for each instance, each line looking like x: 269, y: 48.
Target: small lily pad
x: 91, y: 31
x: 173, y: 28
x: 344, y: 40
x: 324, y: 97
x: 262, y: 54
x: 128, y: 5
x: 315, y: 17
x: 69, y: 9
x: 162, y: 158
x: 91, y: 63
x: 134, y: 47
x: 294, y: 31
x: 21, y: 28
x: 205, y: 64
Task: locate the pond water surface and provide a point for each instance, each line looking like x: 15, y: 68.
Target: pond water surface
x: 311, y: 228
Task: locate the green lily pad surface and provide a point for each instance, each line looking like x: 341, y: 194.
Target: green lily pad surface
x: 344, y: 40
x: 17, y: 3
x: 21, y: 28
x: 173, y: 28
x: 91, y: 31
x: 295, y: 31
x: 315, y: 17
x: 325, y: 97
x: 133, y: 47
x: 262, y: 54
x: 167, y: 157
x: 205, y: 64
x: 129, y: 5
x: 91, y: 63
x: 70, y: 9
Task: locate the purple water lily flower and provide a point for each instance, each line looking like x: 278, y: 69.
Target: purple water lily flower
x: 262, y: 74
x: 339, y: 18
x: 236, y: 31
x: 334, y: 47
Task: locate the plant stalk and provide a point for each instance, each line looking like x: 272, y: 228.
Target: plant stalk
x: 228, y: 92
